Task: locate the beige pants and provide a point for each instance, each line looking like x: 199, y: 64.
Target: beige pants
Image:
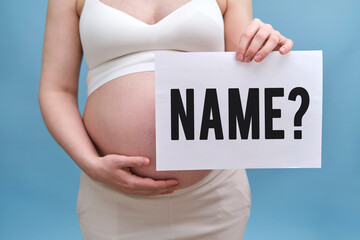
x: 216, y: 207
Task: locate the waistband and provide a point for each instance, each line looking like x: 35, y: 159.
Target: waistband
x: 215, y: 175
x: 130, y: 63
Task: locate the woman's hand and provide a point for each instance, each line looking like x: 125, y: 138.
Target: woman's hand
x: 258, y: 40
x: 114, y: 170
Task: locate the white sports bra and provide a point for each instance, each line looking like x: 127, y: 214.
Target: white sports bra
x: 115, y: 43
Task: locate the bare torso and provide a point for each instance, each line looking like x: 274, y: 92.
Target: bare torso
x: 120, y: 115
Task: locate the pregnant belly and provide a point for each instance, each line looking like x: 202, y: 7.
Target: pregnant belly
x: 120, y: 119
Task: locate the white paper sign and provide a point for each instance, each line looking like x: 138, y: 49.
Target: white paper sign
x: 214, y: 112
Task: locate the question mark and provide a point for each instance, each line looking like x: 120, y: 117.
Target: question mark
x: 305, y: 100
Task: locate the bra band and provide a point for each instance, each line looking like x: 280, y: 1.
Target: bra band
x: 130, y: 63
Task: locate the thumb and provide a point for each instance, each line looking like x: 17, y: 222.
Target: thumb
x: 133, y: 161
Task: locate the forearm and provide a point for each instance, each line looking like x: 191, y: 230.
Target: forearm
x: 62, y: 118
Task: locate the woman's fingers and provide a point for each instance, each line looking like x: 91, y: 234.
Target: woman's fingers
x: 270, y: 44
x: 133, y: 181
x: 259, y: 39
x: 132, y: 184
x: 114, y: 170
x: 286, y: 46
x: 145, y: 183
x: 132, y: 161
x: 147, y: 186
x: 246, y: 37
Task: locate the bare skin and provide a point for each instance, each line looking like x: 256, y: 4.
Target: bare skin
x: 112, y: 141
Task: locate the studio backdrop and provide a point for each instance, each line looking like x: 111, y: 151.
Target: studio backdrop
x: 39, y: 182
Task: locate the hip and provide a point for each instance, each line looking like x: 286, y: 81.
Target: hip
x: 218, y: 204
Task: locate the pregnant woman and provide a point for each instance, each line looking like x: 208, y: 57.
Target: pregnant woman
x: 121, y: 195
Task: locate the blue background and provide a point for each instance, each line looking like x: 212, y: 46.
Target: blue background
x: 39, y: 182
